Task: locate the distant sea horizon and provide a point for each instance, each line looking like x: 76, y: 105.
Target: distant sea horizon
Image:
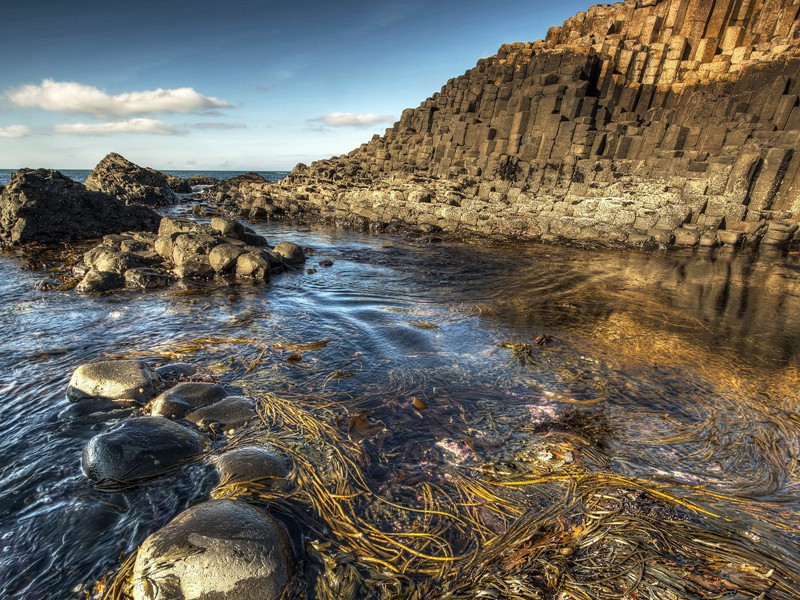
x: 81, y: 174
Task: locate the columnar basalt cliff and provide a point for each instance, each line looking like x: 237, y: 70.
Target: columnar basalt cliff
x: 674, y: 121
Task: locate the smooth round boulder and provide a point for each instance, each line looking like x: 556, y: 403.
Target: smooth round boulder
x: 217, y: 550
x: 261, y: 464
x: 186, y: 396
x: 116, y: 380
x: 229, y: 413
x: 137, y: 448
x: 291, y: 253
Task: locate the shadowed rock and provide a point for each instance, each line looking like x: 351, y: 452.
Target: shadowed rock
x: 45, y: 206
x: 220, y: 550
x: 138, y: 447
x: 187, y: 396
x: 131, y: 183
x: 228, y: 413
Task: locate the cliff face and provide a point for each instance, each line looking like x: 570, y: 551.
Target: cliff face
x: 668, y: 120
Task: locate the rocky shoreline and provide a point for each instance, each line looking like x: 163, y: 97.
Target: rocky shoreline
x: 226, y: 547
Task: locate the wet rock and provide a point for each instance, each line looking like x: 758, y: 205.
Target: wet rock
x: 192, y: 246
x: 251, y: 238
x: 170, y: 225
x: 292, y: 253
x: 229, y: 413
x: 129, y: 182
x: 48, y: 285
x: 97, y: 282
x: 253, y: 265
x: 220, y: 550
x: 46, y: 206
x: 116, y: 380
x: 176, y: 371
x: 146, y: 279
x: 185, y: 397
x: 262, y: 464
x: 138, y: 447
x: 222, y: 258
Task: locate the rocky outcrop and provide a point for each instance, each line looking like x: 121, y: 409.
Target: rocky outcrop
x: 668, y: 121
x: 222, y: 250
x: 178, y: 185
x: 119, y: 177
x: 45, y: 206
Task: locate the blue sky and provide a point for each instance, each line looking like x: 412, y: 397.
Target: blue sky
x: 236, y: 85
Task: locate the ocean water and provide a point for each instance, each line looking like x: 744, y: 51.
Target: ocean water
x: 82, y: 174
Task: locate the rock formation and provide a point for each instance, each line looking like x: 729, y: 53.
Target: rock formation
x: 674, y: 121
x: 46, y: 206
x: 222, y: 249
x: 121, y: 178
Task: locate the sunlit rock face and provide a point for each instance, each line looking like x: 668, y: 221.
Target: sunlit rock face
x: 670, y: 121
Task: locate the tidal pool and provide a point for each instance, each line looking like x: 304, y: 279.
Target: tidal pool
x: 466, y: 420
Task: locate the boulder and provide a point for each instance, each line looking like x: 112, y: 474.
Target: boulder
x: 227, y: 227
x: 146, y: 279
x: 138, y: 447
x: 292, y: 253
x: 229, y: 413
x: 45, y: 206
x: 131, y: 183
x: 220, y: 550
x: 115, y: 380
x: 222, y: 258
x: 260, y: 464
x: 253, y: 265
x: 187, y: 396
x: 195, y: 180
x: 97, y: 282
x: 170, y: 225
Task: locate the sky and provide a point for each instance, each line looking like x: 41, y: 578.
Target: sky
x: 239, y: 85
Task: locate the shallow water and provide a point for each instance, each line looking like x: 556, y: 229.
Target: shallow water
x: 683, y: 367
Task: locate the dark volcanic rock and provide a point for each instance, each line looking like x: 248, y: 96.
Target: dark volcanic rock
x: 138, y: 447
x: 238, y: 552
x: 45, y: 206
x: 121, y: 178
x: 187, y: 396
x: 178, y: 185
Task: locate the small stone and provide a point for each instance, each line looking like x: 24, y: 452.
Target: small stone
x: 174, y: 372
x: 311, y: 271
x: 229, y: 413
x: 186, y: 396
x: 326, y: 263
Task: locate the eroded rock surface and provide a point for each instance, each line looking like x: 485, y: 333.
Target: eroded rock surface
x: 119, y: 177
x: 45, y: 206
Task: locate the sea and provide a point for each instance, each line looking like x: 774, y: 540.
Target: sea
x: 82, y: 174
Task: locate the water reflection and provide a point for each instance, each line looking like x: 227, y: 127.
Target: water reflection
x: 679, y: 368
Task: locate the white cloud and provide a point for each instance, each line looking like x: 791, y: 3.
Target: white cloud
x: 76, y: 98
x: 344, y: 119
x: 219, y: 125
x: 14, y: 131
x: 151, y: 126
